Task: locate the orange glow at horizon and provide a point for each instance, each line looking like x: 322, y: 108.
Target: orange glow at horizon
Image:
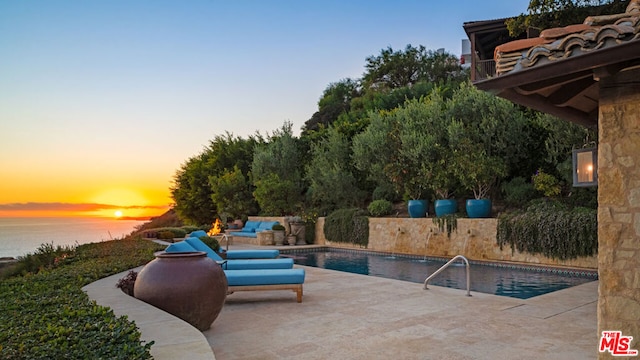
x: 120, y: 203
x: 69, y: 190
x: 142, y: 213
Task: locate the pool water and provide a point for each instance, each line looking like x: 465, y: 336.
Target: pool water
x: 497, y: 279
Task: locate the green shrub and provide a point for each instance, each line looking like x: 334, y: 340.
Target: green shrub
x: 278, y: 227
x: 385, y: 192
x: 310, y: 232
x: 170, y: 232
x: 518, y: 192
x: 190, y: 228
x: 46, y: 256
x: 165, y: 235
x: 347, y: 226
x: 551, y: 229
x: 546, y: 183
x: 46, y: 315
x: 127, y: 283
x: 211, y: 242
x: 378, y: 208
x: 585, y: 197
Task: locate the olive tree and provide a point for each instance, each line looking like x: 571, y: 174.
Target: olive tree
x: 332, y: 184
x: 192, y: 188
x: 375, y: 148
x: 277, y: 173
x: 231, y: 194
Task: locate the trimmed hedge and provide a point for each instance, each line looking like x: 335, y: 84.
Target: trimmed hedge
x: 347, y: 226
x: 379, y: 208
x: 44, y: 314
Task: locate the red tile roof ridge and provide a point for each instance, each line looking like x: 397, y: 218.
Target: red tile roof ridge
x: 555, y: 33
x: 563, y: 42
x: 519, y: 45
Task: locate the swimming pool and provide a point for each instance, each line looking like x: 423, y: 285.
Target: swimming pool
x: 520, y: 282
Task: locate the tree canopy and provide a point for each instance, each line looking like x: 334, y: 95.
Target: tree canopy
x: 391, y: 78
x: 544, y: 14
x: 423, y: 131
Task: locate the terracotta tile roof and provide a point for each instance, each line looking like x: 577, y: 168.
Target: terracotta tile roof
x: 597, y: 32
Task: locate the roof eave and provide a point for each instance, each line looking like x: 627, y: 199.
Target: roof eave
x: 596, y: 63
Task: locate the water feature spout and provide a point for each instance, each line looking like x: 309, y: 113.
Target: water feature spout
x: 395, y: 242
x: 426, y: 245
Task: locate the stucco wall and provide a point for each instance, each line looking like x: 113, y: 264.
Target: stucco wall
x: 619, y: 205
x: 474, y: 238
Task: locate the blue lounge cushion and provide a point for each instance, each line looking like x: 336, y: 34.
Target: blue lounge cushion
x: 251, y: 226
x: 241, y: 264
x: 200, y: 246
x: 198, y: 233
x: 180, y: 246
x: 266, y: 225
x: 245, y: 233
x: 253, y: 254
x: 264, y: 277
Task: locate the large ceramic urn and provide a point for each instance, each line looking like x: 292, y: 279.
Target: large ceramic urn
x: 188, y: 285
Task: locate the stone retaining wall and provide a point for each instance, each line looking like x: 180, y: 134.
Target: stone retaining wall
x: 474, y: 238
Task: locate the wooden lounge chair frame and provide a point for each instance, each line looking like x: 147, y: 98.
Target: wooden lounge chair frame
x: 297, y: 288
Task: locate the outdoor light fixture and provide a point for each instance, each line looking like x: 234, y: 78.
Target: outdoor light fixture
x: 585, y: 167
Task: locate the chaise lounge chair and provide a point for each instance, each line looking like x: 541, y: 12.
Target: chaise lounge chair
x: 266, y: 279
x: 250, y: 275
x: 195, y: 244
x: 242, y: 254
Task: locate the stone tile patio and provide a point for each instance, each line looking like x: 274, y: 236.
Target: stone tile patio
x: 351, y: 316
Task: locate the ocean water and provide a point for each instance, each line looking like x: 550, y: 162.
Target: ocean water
x: 20, y: 236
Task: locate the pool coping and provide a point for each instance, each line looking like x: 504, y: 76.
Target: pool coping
x: 572, y: 271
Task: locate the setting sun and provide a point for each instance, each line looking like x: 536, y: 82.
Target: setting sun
x: 118, y: 214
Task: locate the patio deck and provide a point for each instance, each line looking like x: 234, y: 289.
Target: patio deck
x: 351, y: 316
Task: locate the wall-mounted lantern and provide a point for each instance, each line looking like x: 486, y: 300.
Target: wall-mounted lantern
x: 585, y: 167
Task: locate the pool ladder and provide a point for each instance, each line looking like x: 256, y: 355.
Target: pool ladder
x: 466, y: 263
x: 226, y: 239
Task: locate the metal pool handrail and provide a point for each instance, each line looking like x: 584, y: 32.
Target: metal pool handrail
x: 226, y: 239
x: 466, y: 262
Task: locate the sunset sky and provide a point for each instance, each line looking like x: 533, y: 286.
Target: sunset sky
x: 102, y: 101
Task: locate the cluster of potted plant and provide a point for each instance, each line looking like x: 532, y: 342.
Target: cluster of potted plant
x: 294, y: 236
x: 451, y: 155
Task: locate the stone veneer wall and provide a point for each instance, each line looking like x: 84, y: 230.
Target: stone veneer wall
x: 475, y: 239
x: 619, y: 206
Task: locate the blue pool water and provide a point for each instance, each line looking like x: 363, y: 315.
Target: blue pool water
x: 498, y: 279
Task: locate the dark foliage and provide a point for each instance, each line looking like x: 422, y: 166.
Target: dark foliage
x: 347, y: 226
x: 550, y: 228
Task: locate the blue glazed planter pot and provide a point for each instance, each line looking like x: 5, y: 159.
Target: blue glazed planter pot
x: 417, y: 208
x: 445, y: 207
x: 479, y: 208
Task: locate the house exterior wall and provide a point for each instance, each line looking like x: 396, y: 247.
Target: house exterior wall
x: 619, y: 206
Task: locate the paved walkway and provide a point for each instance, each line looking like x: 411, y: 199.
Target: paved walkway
x: 350, y: 316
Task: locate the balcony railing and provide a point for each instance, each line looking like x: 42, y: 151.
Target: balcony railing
x: 484, y: 69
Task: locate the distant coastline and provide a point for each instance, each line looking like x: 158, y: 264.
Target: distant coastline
x: 20, y: 236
